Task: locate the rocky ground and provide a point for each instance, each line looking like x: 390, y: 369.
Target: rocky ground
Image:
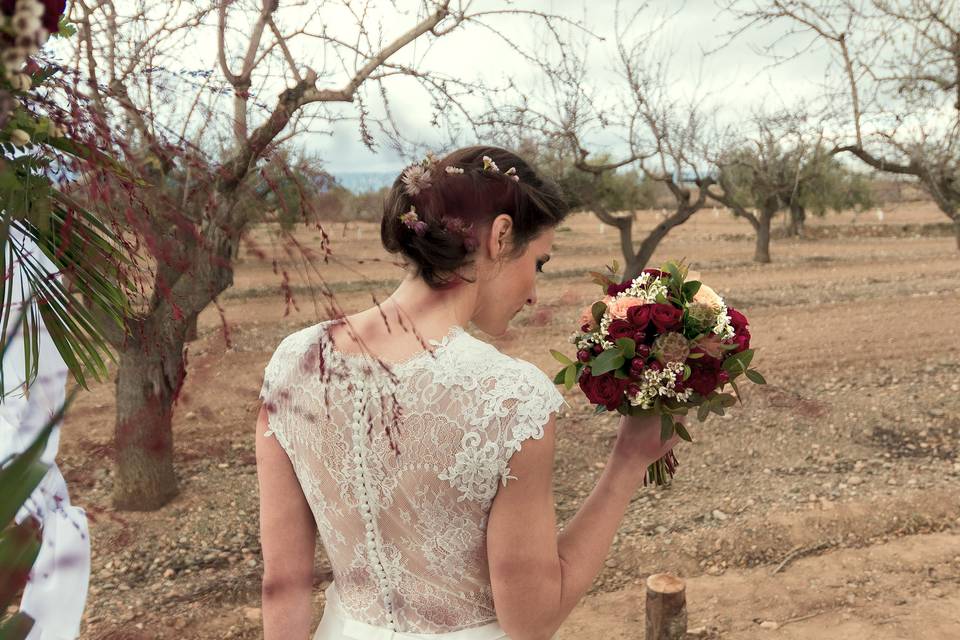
x: 844, y: 469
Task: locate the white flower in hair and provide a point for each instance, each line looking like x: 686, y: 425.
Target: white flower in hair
x: 488, y: 163
x: 451, y: 169
x: 415, y: 179
x: 512, y: 172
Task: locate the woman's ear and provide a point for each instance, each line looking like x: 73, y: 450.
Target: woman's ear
x: 499, y: 236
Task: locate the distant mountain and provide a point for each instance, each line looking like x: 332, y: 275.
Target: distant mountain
x: 360, y: 181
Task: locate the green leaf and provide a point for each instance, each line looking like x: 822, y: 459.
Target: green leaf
x: 598, y: 309
x: 726, y: 400
x: 695, y: 356
x: 737, y: 363
x: 628, y: 346
x: 607, y: 361
x: 620, y: 374
x: 691, y: 288
x: 599, y: 409
x: 736, y: 389
x: 17, y: 627
x: 703, y: 411
x: 755, y: 376
x: 682, y: 432
x: 570, y: 376
x: 666, y: 427
x: 687, y: 372
x: 561, y: 375
x: 562, y: 359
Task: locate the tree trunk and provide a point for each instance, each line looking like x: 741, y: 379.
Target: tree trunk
x: 636, y: 263
x: 796, y: 219
x: 148, y: 382
x: 666, y: 608
x: 956, y: 230
x: 762, y: 251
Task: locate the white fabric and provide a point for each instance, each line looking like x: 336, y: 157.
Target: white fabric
x: 406, y: 536
x: 337, y: 625
x: 57, y: 590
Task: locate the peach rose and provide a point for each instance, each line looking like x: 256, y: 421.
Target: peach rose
x: 709, y: 297
x: 710, y: 344
x: 586, y: 318
x: 618, y: 308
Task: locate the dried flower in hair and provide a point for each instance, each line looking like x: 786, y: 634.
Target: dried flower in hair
x: 451, y: 169
x: 416, y: 178
x: 512, y: 172
x: 490, y: 165
x: 412, y: 221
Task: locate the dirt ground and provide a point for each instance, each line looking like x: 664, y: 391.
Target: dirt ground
x: 845, y: 464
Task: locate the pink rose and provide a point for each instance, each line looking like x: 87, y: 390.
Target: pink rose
x: 619, y: 307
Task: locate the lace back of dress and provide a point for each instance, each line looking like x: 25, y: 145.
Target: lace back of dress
x: 406, y: 534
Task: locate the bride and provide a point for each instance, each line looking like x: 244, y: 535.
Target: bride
x: 422, y: 455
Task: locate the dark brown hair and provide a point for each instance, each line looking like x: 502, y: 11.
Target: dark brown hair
x: 459, y: 207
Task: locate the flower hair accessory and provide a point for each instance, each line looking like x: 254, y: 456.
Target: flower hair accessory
x: 490, y: 165
x: 416, y: 178
x: 412, y: 221
x: 512, y: 172
x: 457, y: 226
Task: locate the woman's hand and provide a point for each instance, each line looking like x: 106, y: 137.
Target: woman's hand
x: 638, y: 440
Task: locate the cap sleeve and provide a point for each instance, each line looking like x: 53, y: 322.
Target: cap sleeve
x: 535, y: 397
x: 274, y: 397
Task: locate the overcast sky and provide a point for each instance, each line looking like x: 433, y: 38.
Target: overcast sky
x: 736, y: 77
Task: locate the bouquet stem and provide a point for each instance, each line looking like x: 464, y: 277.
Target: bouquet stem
x: 661, y: 472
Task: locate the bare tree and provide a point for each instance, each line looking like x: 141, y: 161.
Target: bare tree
x: 658, y: 133
x: 896, y: 71
x: 776, y: 163
x: 281, y: 71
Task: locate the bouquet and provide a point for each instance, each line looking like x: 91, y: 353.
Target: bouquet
x: 659, y: 344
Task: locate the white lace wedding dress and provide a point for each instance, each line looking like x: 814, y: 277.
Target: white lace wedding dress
x: 406, y: 535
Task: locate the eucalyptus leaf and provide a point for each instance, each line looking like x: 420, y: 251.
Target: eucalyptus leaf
x: 703, y: 411
x: 607, y: 361
x: 682, y: 431
x: 755, y: 376
x: 628, y: 346
x: 570, y: 376
x: 666, y: 427
x: 598, y: 309
x: 559, y: 357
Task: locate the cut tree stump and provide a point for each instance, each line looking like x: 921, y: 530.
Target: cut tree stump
x: 666, y: 607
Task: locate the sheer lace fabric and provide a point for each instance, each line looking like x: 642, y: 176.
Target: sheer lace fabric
x: 406, y: 535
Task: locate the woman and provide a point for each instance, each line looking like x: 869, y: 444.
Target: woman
x: 423, y: 455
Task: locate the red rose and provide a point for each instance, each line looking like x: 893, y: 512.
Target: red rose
x: 656, y: 273
x: 639, y: 315
x: 703, y: 380
x: 621, y: 329
x: 605, y: 389
x: 665, y: 317
x: 741, y: 329
x: 614, y: 289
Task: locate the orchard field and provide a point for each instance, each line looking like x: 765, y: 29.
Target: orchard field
x: 845, y: 465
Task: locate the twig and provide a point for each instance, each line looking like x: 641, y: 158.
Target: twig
x: 796, y: 552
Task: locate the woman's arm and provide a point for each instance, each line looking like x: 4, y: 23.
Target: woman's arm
x: 288, y: 541
x: 537, y: 576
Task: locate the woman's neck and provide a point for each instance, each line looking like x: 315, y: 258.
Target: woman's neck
x: 428, y: 310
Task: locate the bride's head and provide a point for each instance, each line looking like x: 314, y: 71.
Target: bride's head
x: 480, y: 217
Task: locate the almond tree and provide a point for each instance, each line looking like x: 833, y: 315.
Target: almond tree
x: 895, y: 73
x: 282, y: 71
x: 659, y: 133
